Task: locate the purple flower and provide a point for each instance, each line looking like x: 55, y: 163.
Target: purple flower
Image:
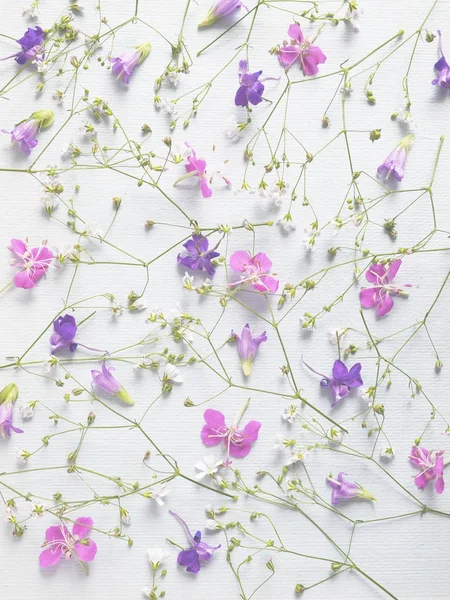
x: 443, y: 79
x: 248, y: 347
x: 61, y: 543
x: 301, y: 49
x: 346, y: 490
x: 431, y: 464
x: 251, y: 89
x: 342, y: 380
x: 222, y: 8
x: 8, y: 396
x: 199, y: 551
x: 198, y: 257
x: 24, y: 133
x: 31, y: 43
x: 106, y: 381
x: 124, y: 64
x: 380, y: 294
x: 395, y: 163
x: 238, y: 442
x: 65, y: 331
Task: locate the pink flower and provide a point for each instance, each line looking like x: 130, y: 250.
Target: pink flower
x: 33, y: 263
x: 431, y: 464
x: 59, y: 543
x: 301, y: 49
x: 380, y: 294
x: 255, y: 270
x: 197, y: 166
x: 238, y: 442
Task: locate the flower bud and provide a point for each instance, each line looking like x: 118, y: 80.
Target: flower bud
x: 9, y: 393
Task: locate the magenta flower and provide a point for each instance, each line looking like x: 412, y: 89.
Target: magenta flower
x: 342, y: 380
x: 301, y: 49
x: 238, y: 442
x: 60, y: 542
x: 198, y: 257
x: 65, y: 331
x: 346, y: 490
x: 248, y: 347
x: 380, y: 294
x: 197, y: 167
x: 251, y: 88
x: 8, y: 396
x: 33, y: 263
x: 199, y: 551
x: 222, y: 8
x: 395, y: 163
x: 254, y: 270
x: 431, y: 465
x: 124, y: 64
x: 443, y: 79
x: 24, y: 133
x: 31, y: 43
x: 106, y: 381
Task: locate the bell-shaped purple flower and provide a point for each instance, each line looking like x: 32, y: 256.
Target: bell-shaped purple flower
x: 124, y: 64
x: 342, y: 380
x: 198, y: 256
x: 346, y: 490
x: 31, y: 43
x: 198, y: 552
x: 24, y: 133
x: 443, y: 79
x: 8, y: 396
x: 65, y: 330
x: 251, y: 88
x: 106, y: 381
x: 222, y: 8
x: 395, y: 163
x: 248, y: 347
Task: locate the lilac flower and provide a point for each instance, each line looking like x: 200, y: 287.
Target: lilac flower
x: 251, y: 88
x: 65, y: 331
x: 198, y: 257
x: 248, y: 347
x: 346, y: 490
x: 32, y: 262
x: 197, y: 166
x: 255, y: 270
x: 395, y: 163
x: 8, y: 396
x: 431, y: 464
x: 31, y: 43
x: 108, y: 383
x: 60, y: 542
x: 238, y: 442
x: 342, y: 380
x: 301, y: 49
x: 124, y: 64
x: 24, y: 133
x: 380, y: 294
x: 222, y: 8
x: 199, y: 551
x: 443, y: 79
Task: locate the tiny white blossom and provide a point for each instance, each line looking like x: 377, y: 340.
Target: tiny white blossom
x: 50, y: 362
x: 139, y: 305
x: 276, y: 194
x: 89, y: 130
x: 169, y: 372
x: 158, y: 492
x: 58, y: 95
x: 179, y: 152
x: 38, y: 511
x: 174, y: 78
x: 387, y: 453
x: 48, y: 200
x: 27, y: 410
x: 234, y: 128
x: 335, y: 435
x: 10, y: 512
x: 156, y: 556
x: 309, y: 243
x: 287, y: 224
x: 22, y: 455
x: 291, y: 413
x: 335, y: 334
x: 93, y: 229
x: 213, y: 525
x: 188, y: 281
x: 32, y: 11
x: 209, y: 466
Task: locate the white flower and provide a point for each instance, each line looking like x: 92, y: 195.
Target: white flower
x: 10, y: 512
x: 174, y: 77
x: 276, y: 193
x: 125, y: 516
x: 291, y: 413
x: 353, y: 16
x: 59, y: 95
x: 298, y: 454
x: 93, y: 229
x: 163, y: 103
x: 289, y: 448
x: 32, y: 12
x: 287, y: 224
x: 406, y: 117
x: 335, y: 436
x: 139, y: 305
x: 282, y: 442
x: 27, y: 410
x: 213, y: 525
x: 156, y: 556
x: 179, y: 152
x: 22, y: 455
x: 50, y: 362
x: 116, y: 311
x: 169, y: 372
x: 336, y: 334
x: 234, y: 128
x: 93, y: 41
x: 209, y: 509
x: 49, y: 201
x: 158, y: 491
x: 209, y: 466
x: 309, y: 243
x: 187, y: 280
x: 89, y: 130
x: 388, y: 453
x: 38, y: 511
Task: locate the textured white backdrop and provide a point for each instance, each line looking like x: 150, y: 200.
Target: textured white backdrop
x: 408, y: 556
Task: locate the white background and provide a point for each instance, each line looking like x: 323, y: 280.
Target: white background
x: 407, y: 556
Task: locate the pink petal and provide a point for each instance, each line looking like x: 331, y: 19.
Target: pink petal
x: 86, y: 553
x: 385, y: 305
x: 205, y: 189
x: 439, y: 485
x: 315, y: 56
x: 23, y: 280
x: 239, y: 260
x: 268, y: 284
x: 55, y: 533
x: 251, y: 431
x: 42, y: 254
x: 82, y: 527
x: 50, y: 557
x: 369, y: 297
x: 295, y: 33
x: 214, y: 418
x: 17, y: 246
x: 287, y: 55
x: 393, y: 269
x: 375, y: 272
x: 262, y: 261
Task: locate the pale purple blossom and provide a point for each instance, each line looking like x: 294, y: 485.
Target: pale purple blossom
x: 31, y: 43
x: 198, y: 256
x: 124, y: 64
x: 380, y: 294
x: 6, y: 412
x: 443, y: 79
x: 395, y: 163
x: 346, y: 490
x: 24, y: 133
x: 65, y: 331
x: 248, y: 347
x: 342, y: 380
x: 198, y: 552
x: 222, y: 8
x: 106, y: 381
x: 302, y: 50
x: 431, y: 465
x: 251, y: 87
x: 61, y: 543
